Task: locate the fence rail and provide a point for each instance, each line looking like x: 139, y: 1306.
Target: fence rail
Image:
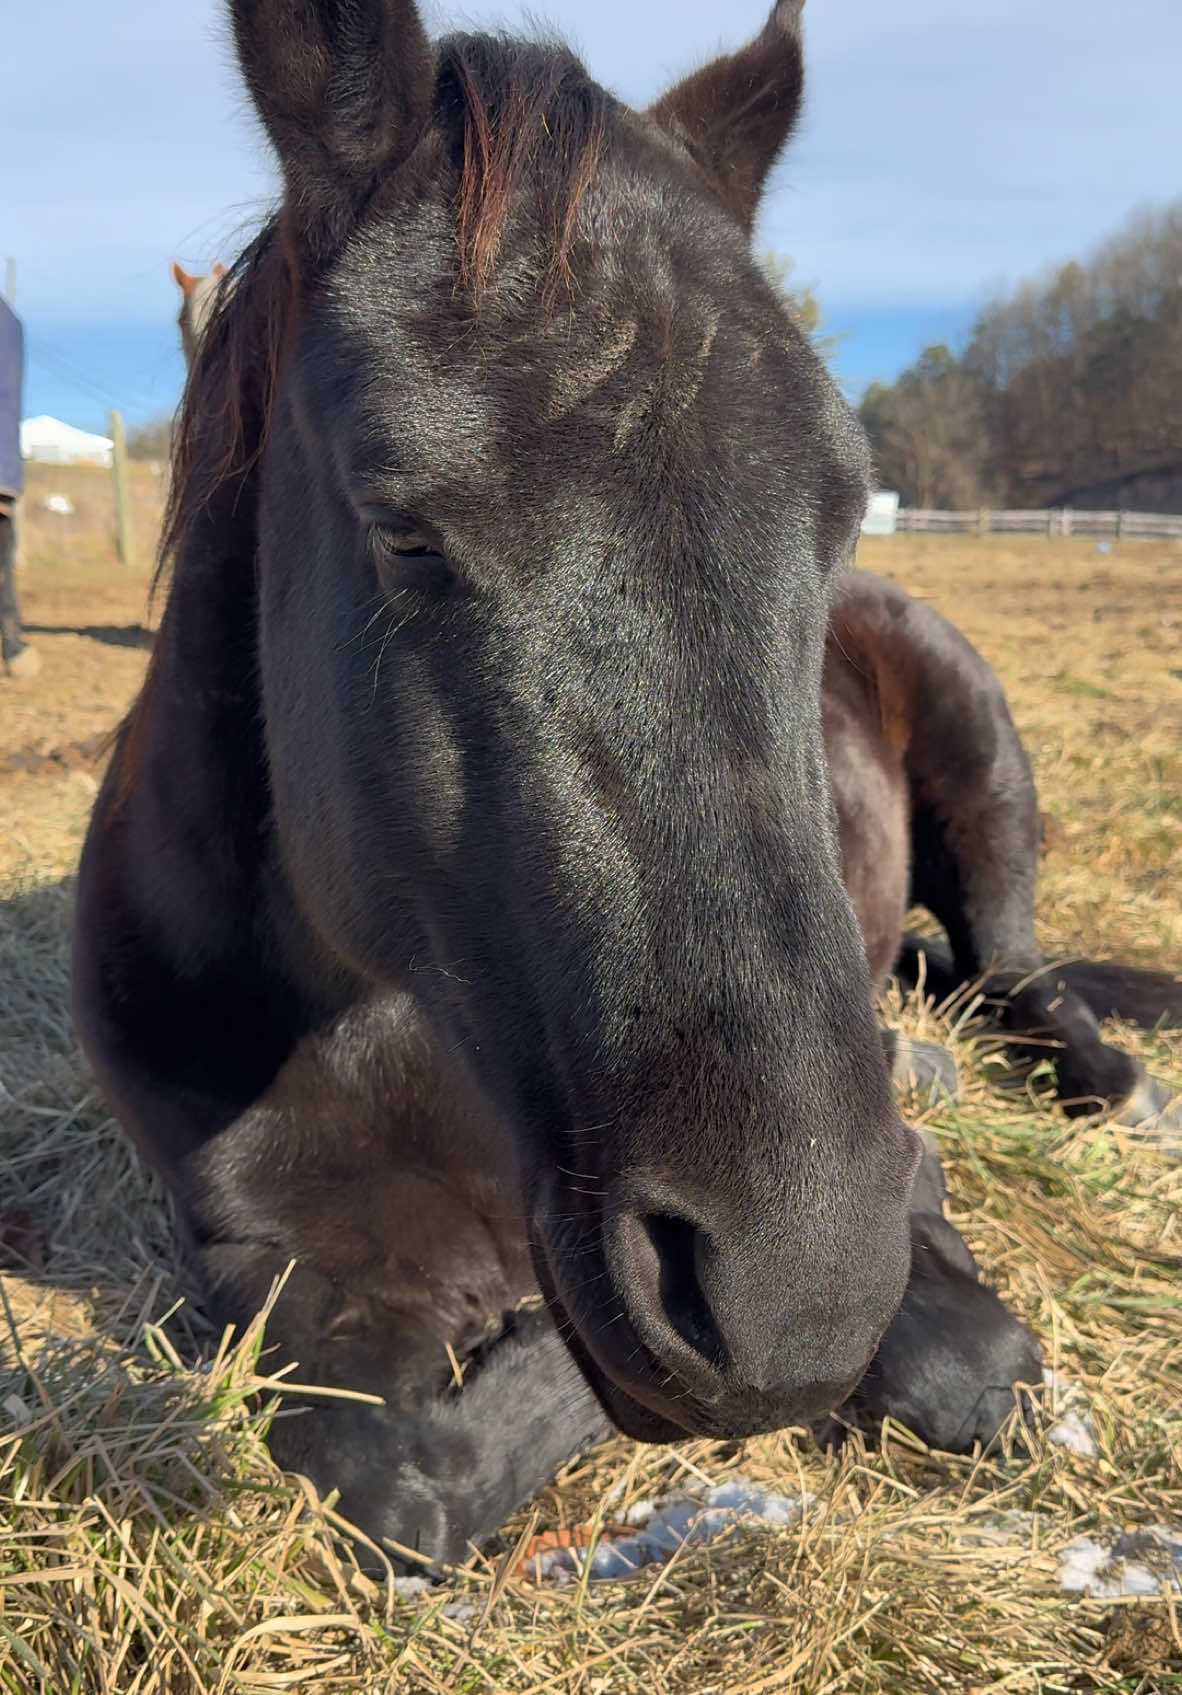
x: 1052, y: 521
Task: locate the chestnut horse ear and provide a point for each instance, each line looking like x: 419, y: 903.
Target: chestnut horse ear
x: 217, y: 269
x: 181, y: 278
x: 344, y: 89
x: 735, y: 114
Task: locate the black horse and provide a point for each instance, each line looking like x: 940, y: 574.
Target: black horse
x: 462, y: 916
x: 462, y: 912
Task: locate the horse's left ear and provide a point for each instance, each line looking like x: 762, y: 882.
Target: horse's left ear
x: 218, y: 270
x: 735, y: 114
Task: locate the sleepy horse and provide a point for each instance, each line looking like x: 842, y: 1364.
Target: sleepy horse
x: 461, y: 916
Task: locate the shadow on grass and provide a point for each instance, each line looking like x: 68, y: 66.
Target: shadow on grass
x: 90, y: 1257
x: 110, y: 635
x: 134, y: 1474
x: 90, y: 1261
x: 93, y: 1220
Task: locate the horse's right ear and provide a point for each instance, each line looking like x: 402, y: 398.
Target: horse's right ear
x: 344, y: 89
x: 733, y: 116
x: 181, y: 278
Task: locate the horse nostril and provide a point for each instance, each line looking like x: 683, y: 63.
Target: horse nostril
x: 678, y: 1247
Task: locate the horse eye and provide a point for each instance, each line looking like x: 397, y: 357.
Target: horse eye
x: 399, y: 552
x: 413, y: 545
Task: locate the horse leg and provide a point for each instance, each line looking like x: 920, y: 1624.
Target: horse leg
x: 920, y: 1068
x: 458, y: 1441
x: 903, y: 685
x: 953, y: 1360
x: 412, y: 1281
x: 975, y: 845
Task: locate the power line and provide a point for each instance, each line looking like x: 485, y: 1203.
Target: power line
x: 63, y: 372
x: 101, y: 379
x: 97, y: 385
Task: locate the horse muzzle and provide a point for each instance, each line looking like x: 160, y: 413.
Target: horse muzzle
x: 680, y: 1333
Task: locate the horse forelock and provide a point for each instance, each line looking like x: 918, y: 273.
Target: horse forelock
x: 532, y: 119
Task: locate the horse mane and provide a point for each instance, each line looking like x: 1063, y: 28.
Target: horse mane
x: 525, y: 118
x: 227, y: 398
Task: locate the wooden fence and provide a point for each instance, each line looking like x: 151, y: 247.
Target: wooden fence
x: 1053, y: 521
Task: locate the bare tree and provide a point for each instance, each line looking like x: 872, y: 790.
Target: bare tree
x: 928, y: 432
x: 1066, y: 393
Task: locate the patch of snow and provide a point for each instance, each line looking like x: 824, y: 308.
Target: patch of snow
x: 17, y: 1411
x: 410, y: 1588
x: 676, y: 1523
x: 1123, y: 1562
x: 463, y: 1612
x: 1075, y: 1429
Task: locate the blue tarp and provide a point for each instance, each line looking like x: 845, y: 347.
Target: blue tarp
x: 12, y: 370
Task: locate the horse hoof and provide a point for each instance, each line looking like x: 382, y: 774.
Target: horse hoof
x: 1153, y: 1114
x: 921, y: 1068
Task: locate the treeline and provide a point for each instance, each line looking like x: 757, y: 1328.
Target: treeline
x: 1069, y: 392
x: 152, y: 440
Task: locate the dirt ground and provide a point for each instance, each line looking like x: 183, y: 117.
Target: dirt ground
x: 87, y: 615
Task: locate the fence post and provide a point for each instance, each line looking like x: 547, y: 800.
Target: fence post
x: 1065, y: 518
x: 123, y: 538
x: 982, y: 521
x: 1120, y: 523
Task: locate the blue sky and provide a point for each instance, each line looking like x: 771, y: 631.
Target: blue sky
x: 946, y: 149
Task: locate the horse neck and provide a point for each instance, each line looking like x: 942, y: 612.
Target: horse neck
x: 199, y: 716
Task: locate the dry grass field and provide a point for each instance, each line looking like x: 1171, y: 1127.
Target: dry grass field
x: 147, y: 1545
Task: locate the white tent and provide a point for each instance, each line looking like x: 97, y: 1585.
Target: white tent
x: 882, y: 514
x: 51, y: 442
